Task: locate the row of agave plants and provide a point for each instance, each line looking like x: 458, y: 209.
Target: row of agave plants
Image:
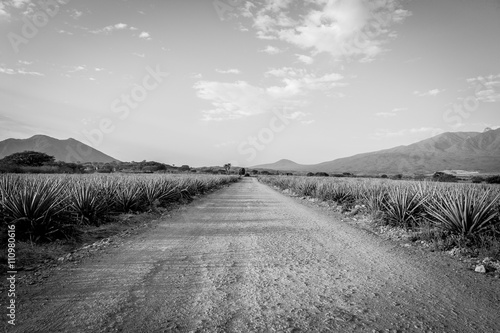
x: 464, y: 210
x: 45, y: 207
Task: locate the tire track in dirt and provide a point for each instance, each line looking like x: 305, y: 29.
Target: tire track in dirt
x: 248, y: 259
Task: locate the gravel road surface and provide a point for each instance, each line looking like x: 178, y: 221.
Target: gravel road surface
x: 249, y: 259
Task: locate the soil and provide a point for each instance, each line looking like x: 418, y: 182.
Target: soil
x: 249, y: 259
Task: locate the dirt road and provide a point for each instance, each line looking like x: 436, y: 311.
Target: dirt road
x: 248, y: 259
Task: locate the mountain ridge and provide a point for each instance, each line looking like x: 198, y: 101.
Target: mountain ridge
x: 474, y: 151
x: 67, y: 150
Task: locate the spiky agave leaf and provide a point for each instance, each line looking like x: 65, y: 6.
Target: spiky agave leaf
x: 33, y: 205
x: 87, y: 202
x: 403, y: 206
x: 464, y: 211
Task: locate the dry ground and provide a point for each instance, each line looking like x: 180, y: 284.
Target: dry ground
x: 248, y: 259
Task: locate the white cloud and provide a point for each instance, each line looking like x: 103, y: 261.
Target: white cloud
x: 486, y: 88
x: 3, y: 11
x: 61, y: 31
x: 385, y: 114
x: 228, y: 71
x: 433, y: 92
x: 305, y: 59
x: 19, y: 3
x: 145, y: 35
x: 140, y: 55
x: 271, y: 50
x: 241, y: 99
x: 18, y: 71
x: 232, y: 100
x: 110, y: 28
x: 391, y: 113
x: 76, y: 14
x: 343, y: 28
x: 77, y: 68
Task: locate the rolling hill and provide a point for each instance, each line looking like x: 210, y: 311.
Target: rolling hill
x: 69, y: 150
x: 472, y: 151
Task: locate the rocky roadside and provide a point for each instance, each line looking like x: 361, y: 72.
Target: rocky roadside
x: 129, y: 225
x: 360, y: 218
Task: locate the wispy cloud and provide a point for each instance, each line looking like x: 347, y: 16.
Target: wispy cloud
x: 433, y: 92
x: 391, y: 113
x: 305, y: 59
x: 240, y: 99
x: 116, y: 27
x: 232, y: 100
x: 228, y: 71
x: 343, y: 28
x: 3, y: 11
x: 75, y: 14
x: 487, y: 88
x: 19, y: 70
x: 271, y: 50
x: 19, y: 3
x: 145, y: 35
x: 78, y: 68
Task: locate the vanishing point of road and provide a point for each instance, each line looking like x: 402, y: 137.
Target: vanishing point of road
x: 248, y: 259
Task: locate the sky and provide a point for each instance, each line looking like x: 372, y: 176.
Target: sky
x: 203, y: 82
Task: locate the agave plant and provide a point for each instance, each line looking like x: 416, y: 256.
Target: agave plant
x: 464, y: 211
x: 127, y: 197
x: 307, y: 188
x: 33, y: 205
x: 403, y: 206
x: 87, y: 203
x: 374, y: 198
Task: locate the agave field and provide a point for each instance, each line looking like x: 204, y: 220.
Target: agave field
x: 45, y: 207
x: 466, y: 212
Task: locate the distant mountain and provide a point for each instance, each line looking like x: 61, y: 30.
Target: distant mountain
x: 283, y: 165
x: 69, y: 150
x: 472, y: 151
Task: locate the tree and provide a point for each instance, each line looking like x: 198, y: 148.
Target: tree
x: 28, y: 158
x: 227, y: 167
x: 444, y: 177
x: 242, y: 172
x: 493, y: 180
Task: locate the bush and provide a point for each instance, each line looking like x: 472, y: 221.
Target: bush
x: 464, y: 212
x: 444, y: 177
x: 477, y: 179
x: 321, y: 174
x: 493, y: 180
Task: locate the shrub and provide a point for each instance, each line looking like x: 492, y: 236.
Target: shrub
x: 403, y: 206
x: 32, y: 205
x: 464, y: 212
x: 493, y: 180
